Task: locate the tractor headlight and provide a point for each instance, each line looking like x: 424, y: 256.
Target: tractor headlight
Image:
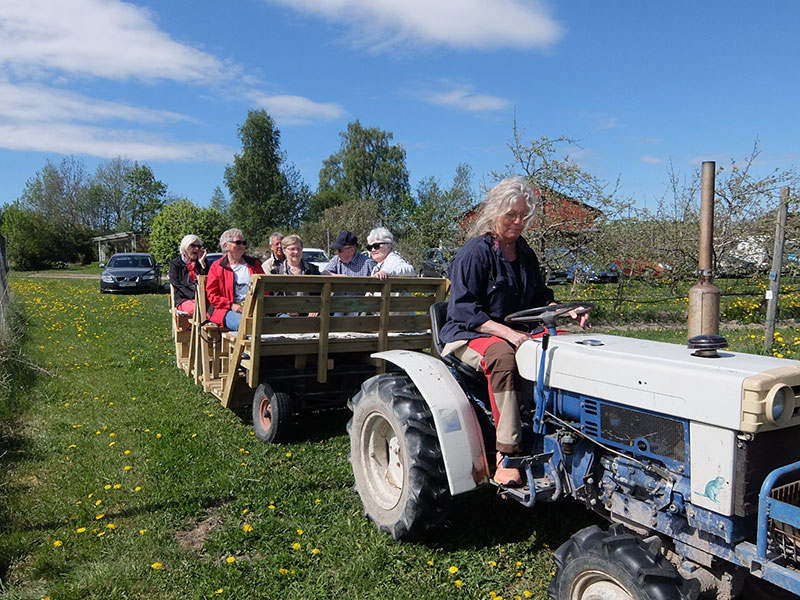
x: 780, y: 404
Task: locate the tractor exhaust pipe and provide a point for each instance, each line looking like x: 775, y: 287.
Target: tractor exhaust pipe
x: 704, y: 297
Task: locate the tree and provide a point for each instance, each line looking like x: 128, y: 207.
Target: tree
x: 370, y: 168
x: 435, y: 220
x: 107, y: 194
x: 262, y: 198
x: 357, y: 216
x: 58, y: 193
x: 181, y: 218
x: 218, y: 201
x: 28, y: 237
x: 144, y: 197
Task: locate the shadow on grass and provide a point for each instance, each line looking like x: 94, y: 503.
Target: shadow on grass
x: 482, y: 519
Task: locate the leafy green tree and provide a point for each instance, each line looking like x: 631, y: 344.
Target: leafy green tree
x: 28, y: 236
x: 370, y: 168
x: 144, y: 197
x: 181, y: 218
x: 265, y: 195
x: 59, y: 193
x: 357, y: 216
x: 322, y: 201
x: 437, y: 217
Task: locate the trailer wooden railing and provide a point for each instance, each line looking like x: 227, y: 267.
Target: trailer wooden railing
x: 353, y: 316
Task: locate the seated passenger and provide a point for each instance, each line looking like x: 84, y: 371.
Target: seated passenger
x: 348, y: 261
x: 228, y: 279
x: 183, y: 272
x: 275, y: 252
x: 294, y: 264
x: 380, y: 243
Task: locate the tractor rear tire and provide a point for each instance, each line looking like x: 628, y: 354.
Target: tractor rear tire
x: 598, y: 565
x: 271, y: 413
x: 396, y: 458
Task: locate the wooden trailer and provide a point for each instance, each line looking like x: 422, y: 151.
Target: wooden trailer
x: 304, y: 342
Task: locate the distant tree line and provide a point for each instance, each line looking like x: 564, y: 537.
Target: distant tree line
x: 365, y: 183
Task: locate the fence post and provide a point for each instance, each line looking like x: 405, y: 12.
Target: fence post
x: 775, y: 273
x: 4, y: 294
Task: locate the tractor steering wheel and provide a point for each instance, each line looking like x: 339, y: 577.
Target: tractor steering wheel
x: 547, y: 315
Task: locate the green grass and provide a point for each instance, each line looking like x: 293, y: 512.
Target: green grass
x: 117, y: 464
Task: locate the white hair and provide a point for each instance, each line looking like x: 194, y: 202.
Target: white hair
x: 186, y: 242
x: 380, y: 234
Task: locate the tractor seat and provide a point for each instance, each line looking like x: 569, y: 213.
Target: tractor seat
x: 438, y: 313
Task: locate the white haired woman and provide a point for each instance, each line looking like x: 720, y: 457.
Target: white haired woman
x: 495, y: 274
x: 183, y: 272
x: 228, y: 278
x: 380, y: 243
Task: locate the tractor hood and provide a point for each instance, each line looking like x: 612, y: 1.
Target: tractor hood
x: 735, y: 390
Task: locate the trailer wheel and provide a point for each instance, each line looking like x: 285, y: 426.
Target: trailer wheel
x: 598, y: 565
x: 396, y: 458
x: 271, y: 412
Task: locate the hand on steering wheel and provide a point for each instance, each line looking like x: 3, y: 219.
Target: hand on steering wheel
x: 547, y: 315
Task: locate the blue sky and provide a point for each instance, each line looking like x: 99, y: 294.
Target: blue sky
x: 640, y: 84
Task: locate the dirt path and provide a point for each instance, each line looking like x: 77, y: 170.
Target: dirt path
x: 62, y: 275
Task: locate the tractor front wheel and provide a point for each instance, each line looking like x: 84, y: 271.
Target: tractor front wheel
x: 598, y: 565
x: 396, y: 458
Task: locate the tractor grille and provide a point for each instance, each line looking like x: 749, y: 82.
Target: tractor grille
x: 784, y: 537
x: 644, y: 432
x: 755, y: 460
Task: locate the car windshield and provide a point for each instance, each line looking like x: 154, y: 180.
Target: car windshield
x: 130, y: 262
x: 315, y: 256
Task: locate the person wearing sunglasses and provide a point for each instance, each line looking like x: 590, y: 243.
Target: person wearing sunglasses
x: 183, y: 272
x: 495, y: 274
x: 380, y: 243
x: 228, y: 278
x: 348, y: 260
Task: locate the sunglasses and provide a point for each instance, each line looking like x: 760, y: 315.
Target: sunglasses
x: 196, y: 245
x: 375, y: 246
x: 238, y: 242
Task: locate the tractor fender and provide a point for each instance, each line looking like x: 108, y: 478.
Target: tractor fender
x: 457, y: 425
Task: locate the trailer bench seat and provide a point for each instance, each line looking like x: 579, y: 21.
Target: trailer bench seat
x: 385, y: 315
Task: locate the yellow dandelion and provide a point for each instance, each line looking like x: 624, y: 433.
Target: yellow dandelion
x: 126, y: 452
x: 158, y: 435
x: 296, y: 546
x: 101, y: 534
x: 99, y: 502
x: 247, y: 528
x: 117, y: 486
x: 315, y: 551
x: 219, y: 591
x: 430, y: 563
x: 80, y: 530
x: 111, y: 526
x: 283, y: 571
x: 106, y: 487
x: 453, y: 570
x: 142, y: 531
x: 127, y: 467
x: 459, y: 583
x: 299, y: 532
x: 230, y: 560
x: 527, y: 594
x: 100, y: 516
x: 156, y: 565
x: 138, y: 488
x: 492, y: 563
x: 288, y: 455
x: 58, y: 543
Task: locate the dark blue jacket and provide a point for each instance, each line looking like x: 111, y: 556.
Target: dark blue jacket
x: 483, y: 286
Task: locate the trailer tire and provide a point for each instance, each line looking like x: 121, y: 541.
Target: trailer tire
x: 598, y: 565
x: 396, y: 458
x: 271, y: 413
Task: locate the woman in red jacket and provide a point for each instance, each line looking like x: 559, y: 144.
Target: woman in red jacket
x: 228, y: 278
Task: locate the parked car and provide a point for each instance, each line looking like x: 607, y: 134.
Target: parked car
x: 436, y: 261
x: 563, y: 265
x: 131, y: 272
x: 212, y: 257
x: 316, y: 256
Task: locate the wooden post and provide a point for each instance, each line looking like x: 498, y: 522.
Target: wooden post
x: 775, y: 273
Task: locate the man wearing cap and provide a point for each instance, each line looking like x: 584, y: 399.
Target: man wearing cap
x: 348, y: 261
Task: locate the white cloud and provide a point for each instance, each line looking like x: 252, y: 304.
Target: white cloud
x: 651, y: 160
x: 97, y: 38
x: 464, y: 99
x: 456, y: 23
x: 42, y: 104
x: 296, y: 110
x: 106, y: 143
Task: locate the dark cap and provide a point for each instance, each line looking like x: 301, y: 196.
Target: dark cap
x: 346, y: 238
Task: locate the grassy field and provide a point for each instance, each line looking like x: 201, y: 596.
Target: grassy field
x: 122, y: 479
